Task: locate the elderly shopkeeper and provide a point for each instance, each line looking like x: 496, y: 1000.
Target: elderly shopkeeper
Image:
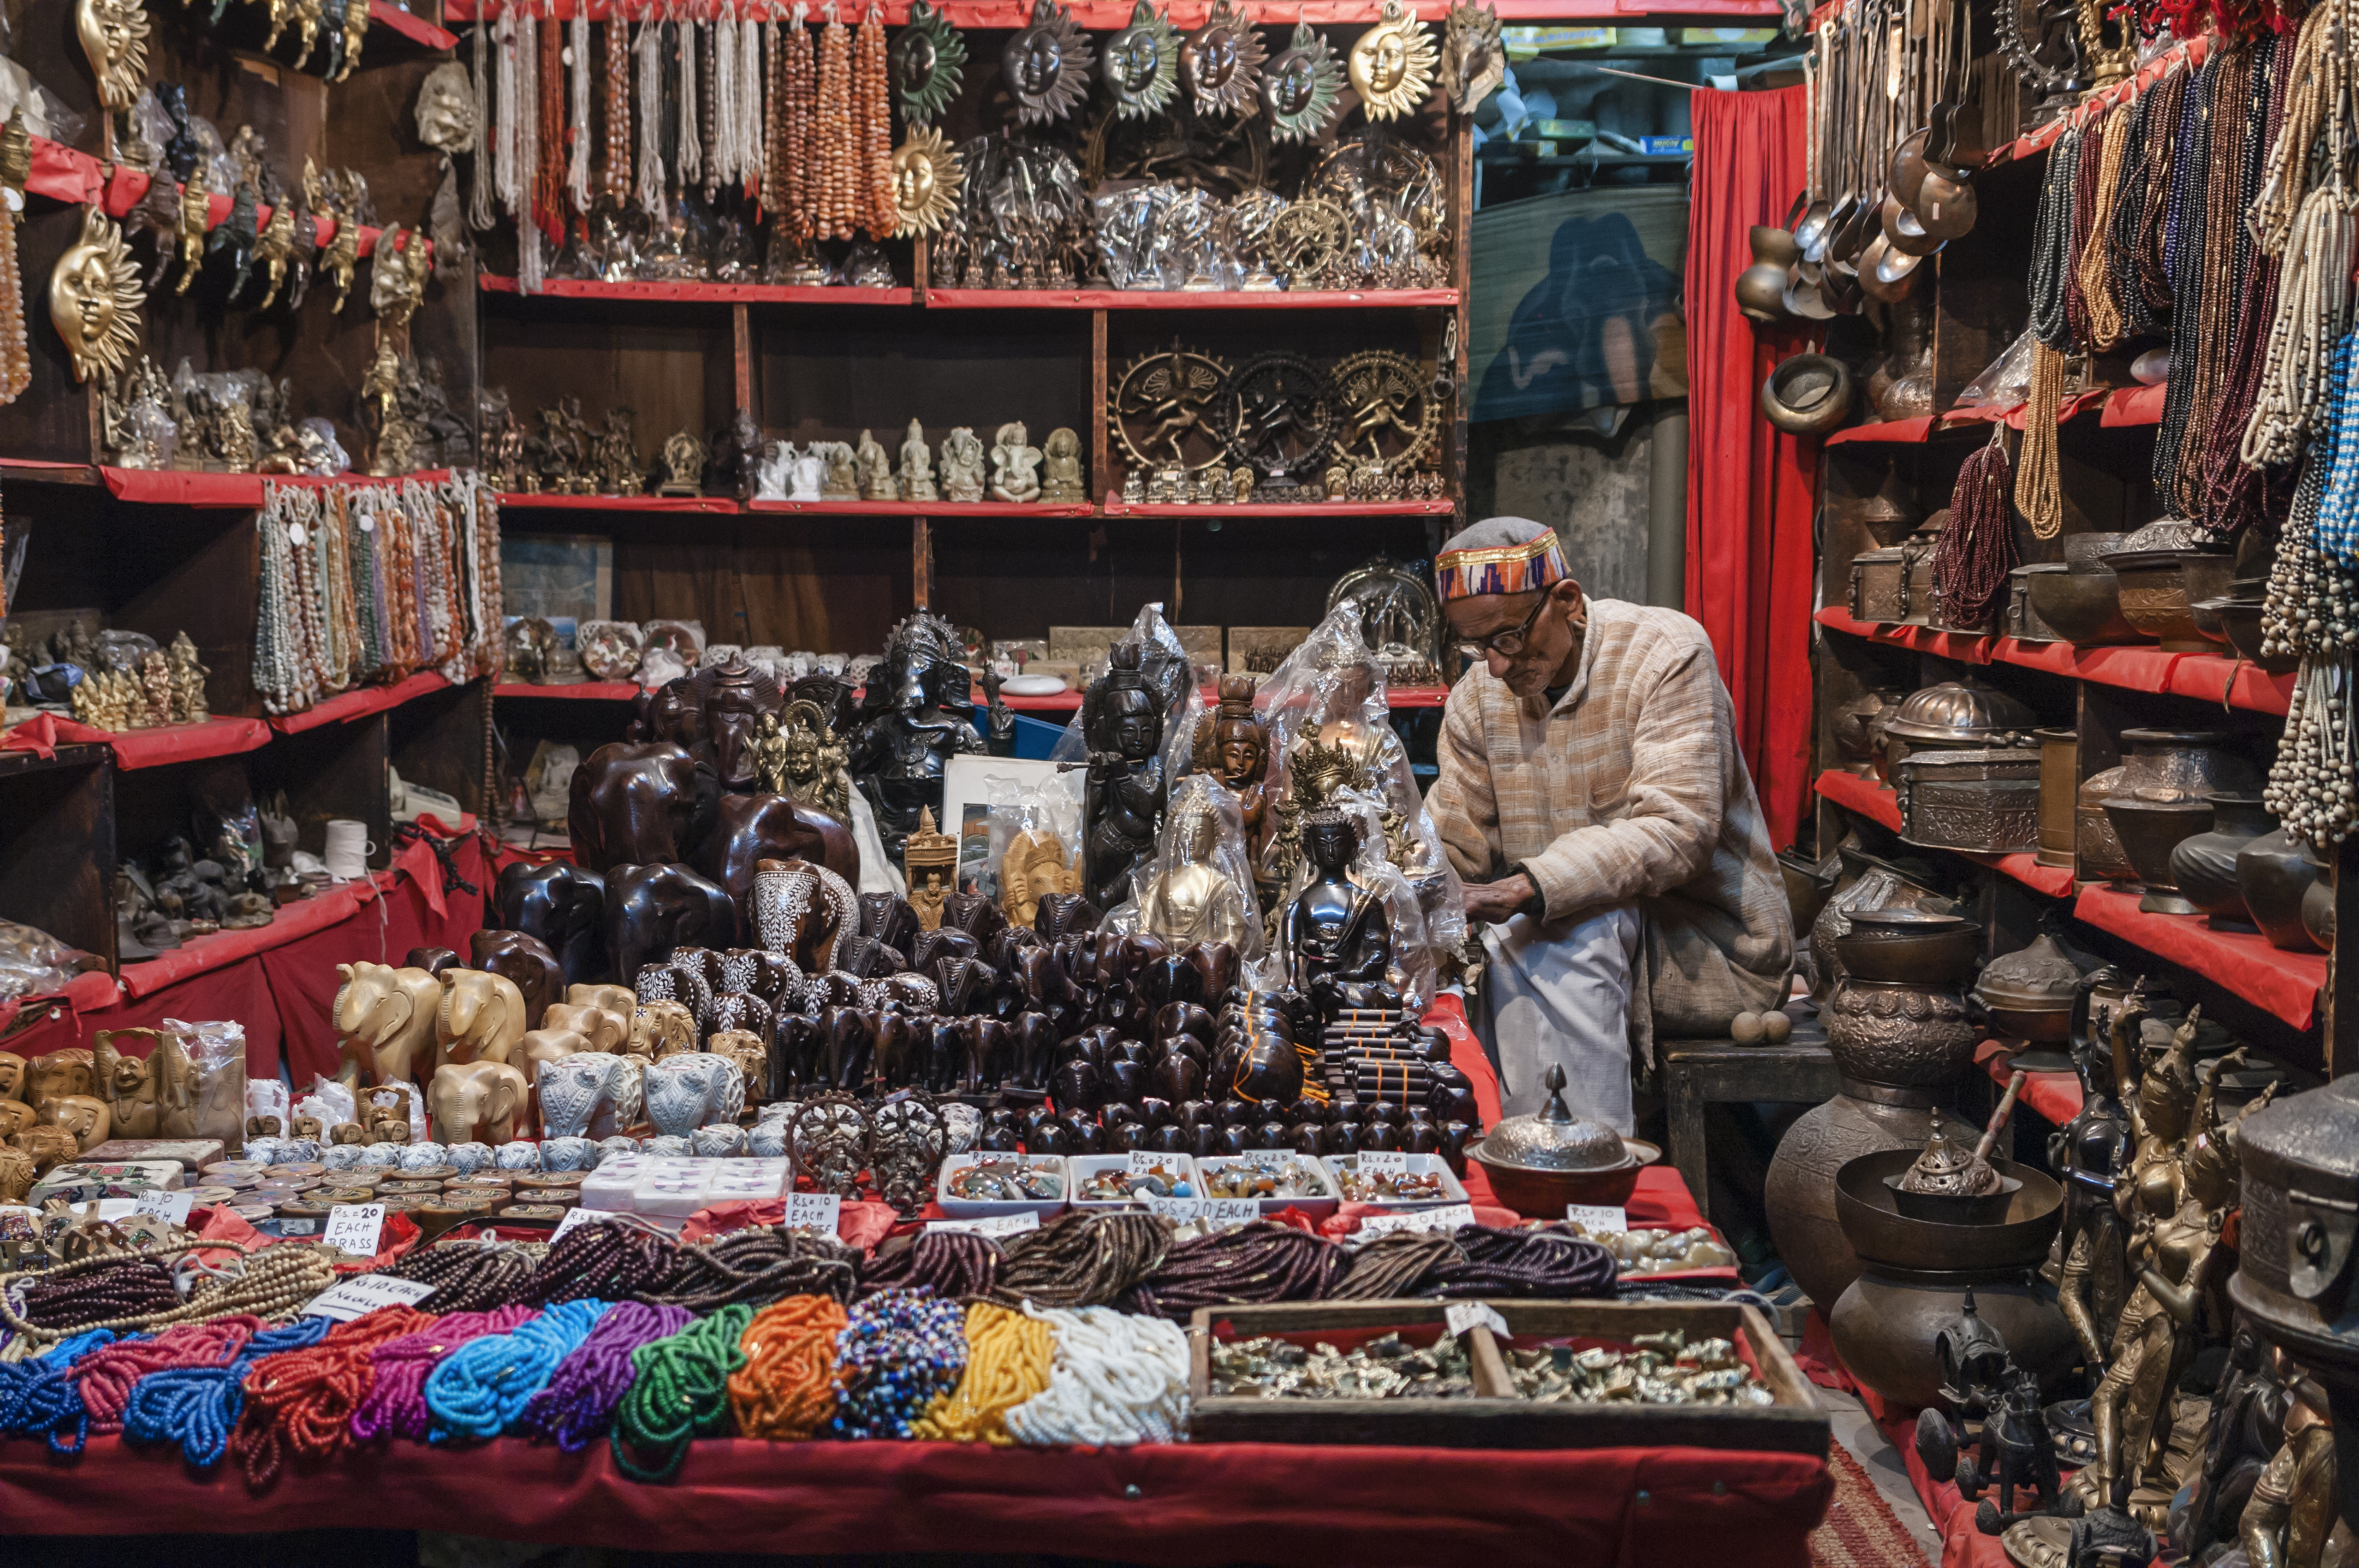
x: 1593, y: 799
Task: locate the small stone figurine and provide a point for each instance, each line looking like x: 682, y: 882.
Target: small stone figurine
x: 1061, y: 467
x: 1015, y: 465
x: 683, y: 461
x: 963, y: 465
x: 843, y: 481
x: 771, y: 476
x: 876, y: 483
x: 806, y: 473
x: 188, y: 703
x: 916, y: 466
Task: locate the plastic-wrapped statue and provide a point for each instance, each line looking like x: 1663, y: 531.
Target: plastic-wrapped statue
x: 1198, y: 887
x: 1333, y: 931
x: 1124, y: 723
x: 915, y: 717
x: 1233, y: 745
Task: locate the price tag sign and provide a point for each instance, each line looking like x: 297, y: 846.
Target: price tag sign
x: 1596, y: 1220
x: 1004, y: 1225
x: 1448, y: 1217
x: 814, y: 1212
x: 354, y: 1227
x: 349, y: 1299
x: 1228, y: 1213
x: 1382, y: 1162
x: 575, y: 1218
x: 1179, y: 1211
x: 1146, y: 1162
x: 171, y: 1207
x: 1463, y: 1315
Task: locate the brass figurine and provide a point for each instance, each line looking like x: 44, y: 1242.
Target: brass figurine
x: 1160, y: 411
x: 397, y: 282
x: 190, y: 705
x: 929, y: 860
x: 1473, y: 60
x: 803, y: 758
x: 94, y: 298
x: 1191, y: 899
x: 683, y: 461
x: 276, y: 249
x: 1222, y: 60
x: 1302, y: 87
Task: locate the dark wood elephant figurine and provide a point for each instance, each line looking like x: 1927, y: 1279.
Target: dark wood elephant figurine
x: 749, y: 829
x: 651, y: 909
x: 523, y: 958
x: 433, y: 960
x: 562, y: 905
x: 632, y: 805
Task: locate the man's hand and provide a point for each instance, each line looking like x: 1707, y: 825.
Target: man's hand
x: 1494, y: 903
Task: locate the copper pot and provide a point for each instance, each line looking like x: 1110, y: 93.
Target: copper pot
x: 2159, y: 589
x: 2083, y: 607
x: 1874, y: 885
x: 1761, y: 288
x: 1893, y: 1033
x: 1915, y: 947
x: 1799, y: 1193
x: 1807, y: 395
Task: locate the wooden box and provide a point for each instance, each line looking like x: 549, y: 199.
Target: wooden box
x: 1496, y: 1417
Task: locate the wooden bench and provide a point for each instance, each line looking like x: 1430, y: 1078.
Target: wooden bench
x: 1697, y: 1073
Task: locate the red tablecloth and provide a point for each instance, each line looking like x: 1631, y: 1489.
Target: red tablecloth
x: 279, y: 980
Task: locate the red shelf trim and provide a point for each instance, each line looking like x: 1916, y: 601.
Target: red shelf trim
x: 523, y: 501
x: 926, y: 508
x: 173, y: 487
x: 1174, y: 300
x: 2135, y: 406
x: 142, y: 748
x: 2205, y: 676
x: 1117, y: 507
x: 62, y: 174
x: 749, y: 293
x: 417, y: 30
x: 345, y: 706
x: 2283, y: 984
x: 2190, y: 53
x: 587, y: 691
x: 1107, y: 14
x: 1872, y: 799
x: 1915, y: 430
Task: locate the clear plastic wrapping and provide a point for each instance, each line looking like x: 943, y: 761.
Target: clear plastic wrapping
x: 216, y: 1052
x: 1199, y: 886
x: 33, y: 962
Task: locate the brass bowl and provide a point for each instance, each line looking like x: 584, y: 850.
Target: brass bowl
x: 1874, y: 1225
x: 2149, y: 831
x: 2241, y: 620
x: 2083, y: 607
x: 2158, y: 591
x: 1937, y: 958
x: 1953, y: 1208
x: 1537, y: 1193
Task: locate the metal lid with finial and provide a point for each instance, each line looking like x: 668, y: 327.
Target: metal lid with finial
x: 1554, y: 1139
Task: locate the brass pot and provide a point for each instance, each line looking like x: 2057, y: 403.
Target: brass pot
x: 1874, y: 1225
x: 1859, y: 729
x: 2241, y: 620
x: 2149, y: 831
x: 2060, y: 773
x: 2184, y: 765
x: 2159, y: 589
x: 2082, y: 606
x: 1874, y: 885
x: 2204, y: 866
x: 1807, y: 394
x: 1885, y: 1326
x: 2274, y: 874
x: 1761, y: 288
x: 2029, y: 993
x: 1879, y: 585
x: 1904, y: 1036
x: 1800, y: 1194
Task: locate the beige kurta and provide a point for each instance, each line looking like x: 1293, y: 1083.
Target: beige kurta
x: 1630, y: 790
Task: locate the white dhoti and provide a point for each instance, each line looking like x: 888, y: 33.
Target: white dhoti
x: 1561, y: 994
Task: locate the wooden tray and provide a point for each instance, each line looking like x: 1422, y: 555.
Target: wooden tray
x: 1496, y: 1417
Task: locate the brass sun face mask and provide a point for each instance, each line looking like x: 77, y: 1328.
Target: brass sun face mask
x: 94, y: 299
x: 113, y: 35
x: 926, y: 180
x: 1392, y: 64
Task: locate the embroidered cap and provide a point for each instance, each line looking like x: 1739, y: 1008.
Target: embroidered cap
x: 1499, y: 555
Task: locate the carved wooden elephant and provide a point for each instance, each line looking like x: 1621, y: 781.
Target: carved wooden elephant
x: 747, y: 1049
x: 562, y: 905
x: 603, y: 1027
x: 587, y: 1092
x: 545, y: 1045
x: 804, y: 911
x: 677, y: 980
x: 84, y: 1115
x: 15, y: 1118
x: 12, y: 1075
x: 383, y: 1020
x: 613, y: 998
x: 652, y: 909
x: 691, y: 1090
x: 433, y: 960
x: 477, y: 1102
x: 632, y: 803
x: 757, y: 973
x: 126, y: 1084
x: 50, y: 1145
x: 750, y: 828
x: 523, y: 958
x: 661, y: 1029
x: 481, y: 1016
x: 17, y: 1174
x: 60, y: 1074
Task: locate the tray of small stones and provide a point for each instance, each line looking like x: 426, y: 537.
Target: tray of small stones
x: 1564, y: 1375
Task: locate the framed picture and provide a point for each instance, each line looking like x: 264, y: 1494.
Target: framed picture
x: 968, y: 784
x: 567, y: 578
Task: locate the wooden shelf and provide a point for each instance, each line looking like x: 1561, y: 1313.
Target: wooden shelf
x: 2117, y: 407
x: 166, y: 744
x: 587, y: 691
x: 1177, y: 300
x: 692, y: 292
x: 1104, y: 16
x: 1115, y: 507
x: 2204, y: 677
x: 526, y: 501
x: 926, y: 508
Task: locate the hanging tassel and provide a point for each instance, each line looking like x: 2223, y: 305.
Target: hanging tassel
x: 648, y: 58
x: 1975, y: 552
x: 577, y: 151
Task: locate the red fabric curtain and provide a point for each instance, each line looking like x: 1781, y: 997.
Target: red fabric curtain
x: 1751, y: 490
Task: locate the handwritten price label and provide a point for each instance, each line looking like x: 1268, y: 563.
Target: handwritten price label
x: 351, y: 1298
x: 1004, y: 1225
x: 1382, y: 1162
x: 1448, y: 1217
x: 354, y: 1227
x: 576, y: 1218
x: 171, y: 1207
x: 1598, y: 1220
x: 814, y: 1212
x: 1147, y: 1161
x: 1228, y: 1213
x: 1463, y: 1315
x: 1179, y: 1211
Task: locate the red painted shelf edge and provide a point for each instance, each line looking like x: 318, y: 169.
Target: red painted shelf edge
x: 587, y: 691
x: 360, y: 704
x: 688, y: 290
x: 519, y: 500
x: 2236, y: 963
x: 1102, y: 15
x: 923, y: 509
x: 417, y: 30
x: 1911, y: 430
x: 1175, y: 299
x: 1116, y: 508
x: 1865, y: 796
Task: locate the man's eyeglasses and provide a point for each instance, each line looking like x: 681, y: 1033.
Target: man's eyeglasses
x: 1505, y: 644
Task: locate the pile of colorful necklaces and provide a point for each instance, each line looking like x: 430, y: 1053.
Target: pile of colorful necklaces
x: 616, y: 1333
